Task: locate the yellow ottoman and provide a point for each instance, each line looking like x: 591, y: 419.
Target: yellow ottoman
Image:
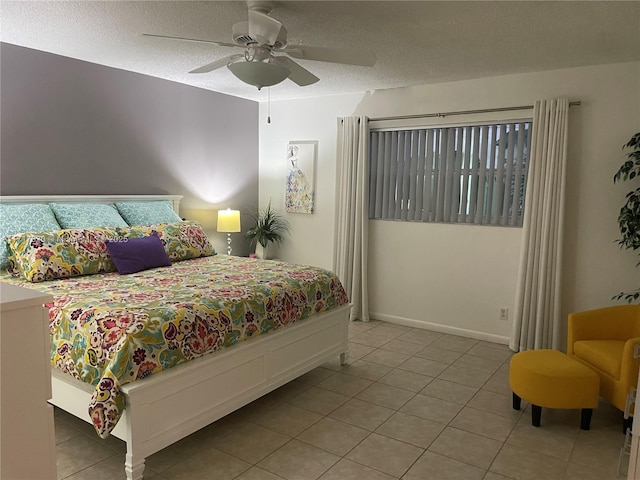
x: 550, y: 379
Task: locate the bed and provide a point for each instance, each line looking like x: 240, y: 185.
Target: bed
x: 153, y: 356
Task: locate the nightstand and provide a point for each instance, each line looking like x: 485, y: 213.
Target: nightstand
x: 27, y: 439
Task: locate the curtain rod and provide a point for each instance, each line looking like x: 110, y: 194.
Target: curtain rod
x: 467, y: 112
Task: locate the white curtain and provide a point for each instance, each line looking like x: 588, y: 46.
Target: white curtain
x: 537, y: 320
x: 351, y: 230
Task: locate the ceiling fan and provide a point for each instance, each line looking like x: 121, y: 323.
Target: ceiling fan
x: 262, y: 36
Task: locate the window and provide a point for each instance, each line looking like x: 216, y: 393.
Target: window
x: 463, y: 174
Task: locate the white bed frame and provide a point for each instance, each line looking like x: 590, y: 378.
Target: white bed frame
x: 166, y: 407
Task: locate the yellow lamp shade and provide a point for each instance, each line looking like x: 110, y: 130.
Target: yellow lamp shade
x: 229, y: 220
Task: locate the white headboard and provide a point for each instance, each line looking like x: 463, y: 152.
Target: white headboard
x: 174, y: 199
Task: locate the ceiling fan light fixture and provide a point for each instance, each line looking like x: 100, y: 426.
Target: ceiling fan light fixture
x: 259, y: 74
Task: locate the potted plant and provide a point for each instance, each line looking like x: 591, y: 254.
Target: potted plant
x: 271, y: 227
x: 629, y: 217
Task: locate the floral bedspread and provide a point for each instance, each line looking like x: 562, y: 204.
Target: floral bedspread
x: 110, y: 329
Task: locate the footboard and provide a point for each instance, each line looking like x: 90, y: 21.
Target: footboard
x: 164, y: 408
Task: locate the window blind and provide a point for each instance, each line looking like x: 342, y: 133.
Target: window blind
x: 464, y: 174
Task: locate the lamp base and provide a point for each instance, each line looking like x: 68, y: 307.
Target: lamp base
x: 228, y: 244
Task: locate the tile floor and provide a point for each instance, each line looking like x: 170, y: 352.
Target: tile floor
x: 412, y: 404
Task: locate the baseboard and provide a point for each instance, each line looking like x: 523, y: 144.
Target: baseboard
x: 436, y: 327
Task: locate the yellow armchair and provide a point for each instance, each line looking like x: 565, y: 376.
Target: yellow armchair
x: 604, y: 339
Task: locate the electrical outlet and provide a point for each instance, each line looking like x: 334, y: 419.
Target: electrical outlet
x: 504, y: 314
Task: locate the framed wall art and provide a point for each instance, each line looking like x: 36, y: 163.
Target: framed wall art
x: 301, y: 164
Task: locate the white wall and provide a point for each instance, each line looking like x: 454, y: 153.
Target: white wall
x: 411, y: 280
x: 311, y: 241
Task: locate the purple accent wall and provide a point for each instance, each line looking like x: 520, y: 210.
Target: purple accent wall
x: 73, y: 127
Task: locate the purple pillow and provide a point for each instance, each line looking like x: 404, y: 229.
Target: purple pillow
x: 133, y: 255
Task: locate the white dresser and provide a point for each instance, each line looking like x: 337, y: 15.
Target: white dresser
x: 27, y: 441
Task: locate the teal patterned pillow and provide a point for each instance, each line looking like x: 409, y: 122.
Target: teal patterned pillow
x: 148, y: 213
x: 20, y: 218
x: 87, y: 215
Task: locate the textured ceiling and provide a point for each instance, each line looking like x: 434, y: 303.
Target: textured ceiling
x: 416, y: 43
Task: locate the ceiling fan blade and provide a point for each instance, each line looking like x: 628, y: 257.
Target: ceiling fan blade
x: 263, y: 28
x: 223, y: 62
x: 333, y: 55
x: 195, y: 40
x: 299, y: 74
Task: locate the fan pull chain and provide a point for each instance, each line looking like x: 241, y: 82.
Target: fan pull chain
x: 269, y: 105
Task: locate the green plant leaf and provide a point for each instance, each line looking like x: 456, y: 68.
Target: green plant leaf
x: 270, y: 227
x: 629, y: 216
x: 629, y: 297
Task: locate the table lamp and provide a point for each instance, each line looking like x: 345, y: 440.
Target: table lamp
x: 229, y: 222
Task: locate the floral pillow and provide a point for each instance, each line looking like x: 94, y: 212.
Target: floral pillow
x: 64, y: 253
x: 181, y: 240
